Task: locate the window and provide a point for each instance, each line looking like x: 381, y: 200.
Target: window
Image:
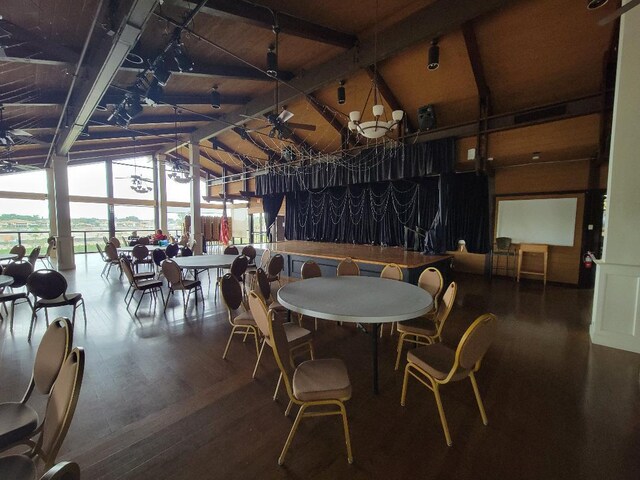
x: 240, y: 224
x: 33, y: 181
x: 88, y: 180
x: 259, y: 229
x: 178, y: 192
x: 23, y: 221
x: 88, y: 225
x: 130, y: 218
x: 130, y: 170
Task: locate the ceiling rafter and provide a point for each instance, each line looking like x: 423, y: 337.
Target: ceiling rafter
x: 220, y: 163
x: 271, y: 154
x: 262, y: 16
x: 202, y: 168
x: 57, y: 98
x: 389, y: 96
x: 243, y: 158
x: 97, y: 125
x: 59, y: 52
x: 437, y: 18
x: 332, y: 120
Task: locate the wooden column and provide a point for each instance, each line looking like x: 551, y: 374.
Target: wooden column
x: 196, y: 228
x: 64, y: 240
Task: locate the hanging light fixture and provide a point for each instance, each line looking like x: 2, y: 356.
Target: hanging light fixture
x: 215, y: 97
x: 377, y: 127
x: 272, y: 61
x: 434, y: 55
x: 137, y: 184
x: 593, y: 4
x: 342, y: 94
x: 179, y: 173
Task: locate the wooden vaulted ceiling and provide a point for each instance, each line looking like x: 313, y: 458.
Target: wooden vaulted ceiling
x: 533, y: 53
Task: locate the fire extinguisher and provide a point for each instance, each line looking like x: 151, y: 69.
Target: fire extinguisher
x: 587, y: 261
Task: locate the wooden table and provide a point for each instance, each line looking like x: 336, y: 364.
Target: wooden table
x: 357, y: 300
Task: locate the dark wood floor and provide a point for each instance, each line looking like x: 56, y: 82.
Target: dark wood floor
x: 158, y: 402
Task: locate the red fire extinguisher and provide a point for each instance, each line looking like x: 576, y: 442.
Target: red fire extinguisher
x: 587, y: 261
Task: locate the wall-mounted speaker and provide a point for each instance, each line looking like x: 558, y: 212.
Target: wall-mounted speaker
x: 427, y: 117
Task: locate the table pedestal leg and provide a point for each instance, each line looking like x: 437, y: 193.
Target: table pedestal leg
x: 375, y: 327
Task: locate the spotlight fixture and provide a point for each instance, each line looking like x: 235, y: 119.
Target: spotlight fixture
x: 434, y: 55
x: 593, y: 4
x: 119, y: 117
x: 161, y: 73
x: 133, y: 107
x: 85, y: 131
x: 215, y: 97
x: 342, y: 94
x: 272, y: 62
x: 184, y: 62
x: 154, y: 93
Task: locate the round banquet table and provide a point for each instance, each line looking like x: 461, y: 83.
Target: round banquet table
x: 199, y: 263
x: 8, y: 256
x: 5, y: 280
x: 357, y: 300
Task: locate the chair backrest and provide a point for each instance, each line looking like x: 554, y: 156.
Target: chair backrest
x: 264, y: 287
x: 231, y: 250
x: 18, y: 250
x: 187, y: 252
x: 260, y: 313
x: 310, y: 269
x: 265, y: 258
x: 111, y: 251
x: 105, y: 240
x: 143, y: 241
x: 239, y: 266
x: 33, y: 256
x: 348, y: 267
x: 172, y: 250
x: 276, y: 265
x: 448, y: 299
x: 20, y: 272
x: 47, y: 284
x: 503, y: 243
x: 231, y: 292
x: 52, y: 352
x: 158, y: 256
x: 50, y: 246
x: 63, y: 471
x: 102, y: 255
x: 392, y: 271
x: 171, y: 271
x: 115, y: 241
x: 476, y: 341
x: 250, y: 253
x: 140, y: 252
x: 431, y: 280
x: 61, y: 406
x: 125, y: 265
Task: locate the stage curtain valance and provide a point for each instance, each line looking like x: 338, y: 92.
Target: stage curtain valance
x: 371, y: 165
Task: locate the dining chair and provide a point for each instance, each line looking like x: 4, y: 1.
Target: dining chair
x: 49, y: 290
x: 250, y: 252
x: 264, y: 261
x: 314, y: 385
x: 33, y: 256
x: 158, y: 255
x: 231, y: 250
x: 392, y: 271
x: 347, y: 267
x: 297, y: 336
x: 266, y: 293
x: 143, y: 286
x: 172, y: 250
x: 45, y: 258
x: 57, y: 419
x: 432, y: 282
x: 18, y: 250
x: 435, y: 365
x: 111, y: 252
x: 138, y: 276
x: 20, y: 272
x: 62, y: 471
x: 173, y: 273
x: 18, y: 420
x: 275, y: 268
x: 426, y: 330
x: 309, y: 269
x: 140, y: 254
x: 115, y: 242
x: 239, y: 315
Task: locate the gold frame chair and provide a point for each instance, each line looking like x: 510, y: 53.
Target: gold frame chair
x: 173, y: 273
x: 391, y: 271
x: 464, y: 362
x: 337, y: 389
x: 242, y: 323
x: 309, y: 269
x: 433, y: 288
x: 347, y: 267
x: 429, y: 329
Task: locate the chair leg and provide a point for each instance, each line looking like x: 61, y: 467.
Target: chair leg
x: 166, y: 302
x: 162, y: 296
x: 483, y: 414
x: 288, y: 410
x: 84, y: 313
x: 13, y: 308
x: 443, y: 418
x: 275, y: 394
x: 46, y: 316
x: 347, y: 437
x: 139, y: 302
x: 311, y: 351
x: 255, y: 369
x: 405, y: 381
x: 226, y: 349
x: 292, y: 434
x: 33, y: 323
x: 133, y: 292
x: 399, y: 348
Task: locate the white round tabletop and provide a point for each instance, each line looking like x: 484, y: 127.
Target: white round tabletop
x: 5, y: 280
x: 355, y: 299
x: 205, y: 261
x: 8, y: 256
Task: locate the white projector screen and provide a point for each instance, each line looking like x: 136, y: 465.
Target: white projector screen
x: 551, y: 221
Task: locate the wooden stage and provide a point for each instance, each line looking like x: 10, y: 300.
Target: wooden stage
x: 370, y: 258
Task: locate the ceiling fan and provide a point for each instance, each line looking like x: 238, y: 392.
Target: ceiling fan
x: 280, y: 125
x: 7, y: 165
x: 12, y: 136
x: 593, y: 4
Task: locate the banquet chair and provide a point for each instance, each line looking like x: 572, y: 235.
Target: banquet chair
x: 264, y: 261
x: 275, y: 268
x: 111, y: 252
x: 436, y: 365
x: 158, y: 255
x: 172, y: 250
x: 135, y: 285
x: 309, y: 269
x: 426, y: 330
x: 18, y: 250
x: 266, y: 293
x: 105, y: 240
x: 115, y: 242
x: 314, y: 383
x: 20, y: 272
x: 173, y: 273
x: 186, y: 252
x: 62, y: 471
x: 432, y: 282
x: 58, y: 416
x: 250, y: 252
x: 391, y: 271
x: 237, y: 269
x: 19, y: 421
x: 141, y: 276
x: 297, y: 336
x: 240, y: 318
x: 33, y: 257
x: 230, y: 250
x: 347, y: 267
x: 51, y: 287
x: 144, y: 241
x: 140, y: 254
x: 45, y: 258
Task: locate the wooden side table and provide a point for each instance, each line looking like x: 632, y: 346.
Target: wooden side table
x: 533, y: 249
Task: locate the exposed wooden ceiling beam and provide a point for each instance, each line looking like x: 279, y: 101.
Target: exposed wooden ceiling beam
x: 57, y: 98
x: 246, y: 136
x: 263, y: 17
x: 202, y: 168
x: 104, y: 57
x: 243, y: 158
x: 390, y: 97
x: 59, y: 52
x: 217, y: 71
x: 473, y: 52
x: 437, y: 18
x: 332, y: 120
x: 144, y: 120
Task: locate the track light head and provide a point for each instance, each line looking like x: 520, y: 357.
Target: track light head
x: 132, y: 107
x: 342, y: 94
x: 154, y: 93
x: 85, y: 131
x: 215, y: 97
x: 161, y: 73
x: 183, y: 61
x: 593, y: 4
x: 272, y: 62
x: 434, y: 55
